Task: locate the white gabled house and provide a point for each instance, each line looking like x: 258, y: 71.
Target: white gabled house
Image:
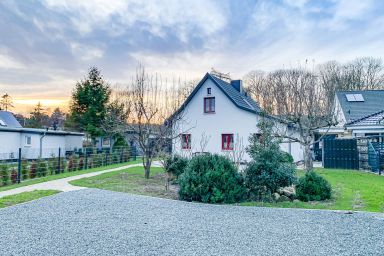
x: 219, y: 117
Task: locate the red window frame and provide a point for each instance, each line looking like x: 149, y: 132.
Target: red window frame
x: 186, y: 141
x: 227, y: 141
x: 209, y: 105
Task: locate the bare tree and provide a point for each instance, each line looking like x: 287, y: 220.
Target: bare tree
x: 300, y: 107
x: 151, y: 102
x: 6, y: 102
x: 238, y: 152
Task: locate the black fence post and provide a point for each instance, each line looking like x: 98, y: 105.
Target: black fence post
x: 134, y: 153
x: 59, y: 162
x: 19, y: 167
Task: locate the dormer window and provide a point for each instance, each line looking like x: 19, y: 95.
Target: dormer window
x: 209, y: 90
x: 209, y: 105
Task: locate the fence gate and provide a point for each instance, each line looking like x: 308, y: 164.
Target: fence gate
x: 341, y: 153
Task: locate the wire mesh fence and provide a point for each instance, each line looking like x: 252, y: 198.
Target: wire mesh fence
x: 29, y: 163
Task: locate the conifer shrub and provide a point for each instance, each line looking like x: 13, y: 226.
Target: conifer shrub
x: 33, y: 170
x: 313, y: 187
x: 13, y: 176
x: 42, y: 168
x: 211, y: 179
x: 175, y: 165
x: 4, y: 175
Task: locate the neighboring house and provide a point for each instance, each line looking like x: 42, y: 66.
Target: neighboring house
x: 359, y: 114
x: 34, y: 143
x: 219, y: 117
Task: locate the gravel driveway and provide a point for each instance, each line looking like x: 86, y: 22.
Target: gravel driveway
x: 97, y: 222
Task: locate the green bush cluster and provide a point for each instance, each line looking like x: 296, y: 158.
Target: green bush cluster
x: 175, y: 165
x: 4, y: 175
x: 211, y: 179
x: 313, y: 187
x: 271, y: 168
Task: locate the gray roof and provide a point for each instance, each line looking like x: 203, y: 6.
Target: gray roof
x: 39, y: 131
x: 373, y: 103
x: 9, y: 120
x: 374, y: 119
x: 240, y: 99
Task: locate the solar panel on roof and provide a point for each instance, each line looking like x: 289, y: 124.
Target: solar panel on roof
x: 350, y: 97
x: 359, y: 97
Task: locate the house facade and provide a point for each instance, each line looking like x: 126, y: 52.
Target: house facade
x: 34, y: 143
x: 219, y: 117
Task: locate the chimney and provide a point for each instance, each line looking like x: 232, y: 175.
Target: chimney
x: 238, y: 85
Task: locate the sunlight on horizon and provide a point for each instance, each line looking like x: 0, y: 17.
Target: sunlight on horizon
x: 25, y: 106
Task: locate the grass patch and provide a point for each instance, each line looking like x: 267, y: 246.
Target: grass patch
x: 25, y: 197
x: 65, y: 175
x: 352, y: 190
x: 131, y: 181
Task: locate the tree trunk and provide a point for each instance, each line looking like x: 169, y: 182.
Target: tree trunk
x: 308, y: 161
x: 147, y: 168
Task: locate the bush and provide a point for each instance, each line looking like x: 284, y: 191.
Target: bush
x: 313, y: 187
x: 175, y: 165
x: 72, y: 163
x: 81, y: 163
x: 42, y: 168
x: 24, y: 170
x: 13, y: 176
x: 4, y: 175
x: 211, y: 179
x: 32, y: 170
x: 271, y: 168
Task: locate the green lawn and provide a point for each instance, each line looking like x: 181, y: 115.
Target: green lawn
x: 25, y: 197
x: 64, y: 175
x: 131, y: 181
x: 352, y: 190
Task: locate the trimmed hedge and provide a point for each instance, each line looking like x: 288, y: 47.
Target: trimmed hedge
x: 211, y: 179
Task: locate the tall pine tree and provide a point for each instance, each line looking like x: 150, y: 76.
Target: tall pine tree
x: 89, y: 104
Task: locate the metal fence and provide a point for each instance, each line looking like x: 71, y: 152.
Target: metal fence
x: 17, y: 168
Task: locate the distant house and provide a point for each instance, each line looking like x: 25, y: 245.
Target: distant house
x: 219, y: 117
x: 34, y: 143
x: 359, y: 114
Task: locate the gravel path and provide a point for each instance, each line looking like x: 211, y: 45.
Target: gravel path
x: 97, y: 222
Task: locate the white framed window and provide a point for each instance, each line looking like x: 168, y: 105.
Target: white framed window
x: 28, y: 140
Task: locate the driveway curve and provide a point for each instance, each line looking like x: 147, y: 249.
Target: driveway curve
x: 98, y: 222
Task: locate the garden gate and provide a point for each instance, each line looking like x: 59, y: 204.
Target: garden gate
x: 341, y: 153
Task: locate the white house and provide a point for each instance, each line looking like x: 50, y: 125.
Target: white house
x: 219, y: 117
x: 359, y: 114
x: 34, y: 143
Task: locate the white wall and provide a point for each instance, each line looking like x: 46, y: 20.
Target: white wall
x: 11, y: 141
x: 228, y: 118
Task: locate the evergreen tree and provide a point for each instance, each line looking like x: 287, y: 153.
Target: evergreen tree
x: 38, y: 118
x: 6, y: 102
x: 89, y: 104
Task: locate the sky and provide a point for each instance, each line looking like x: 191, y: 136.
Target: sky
x: 48, y: 45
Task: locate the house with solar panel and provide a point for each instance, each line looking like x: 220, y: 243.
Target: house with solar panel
x: 359, y: 114
x: 219, y: 117
x: 34, y: 143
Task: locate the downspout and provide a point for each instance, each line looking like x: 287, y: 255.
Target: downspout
x: 41, y: 143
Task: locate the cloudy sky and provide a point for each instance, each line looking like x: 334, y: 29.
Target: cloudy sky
x: 47, y: 45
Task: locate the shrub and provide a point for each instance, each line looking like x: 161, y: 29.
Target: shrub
x: 175, y: 165
x: 24, y: 169
x: 81, y: 163
x: 72, y: 163
x: 4, y: 175
x: 271, y: 168
x: 313, y: 187
x: 32, y: 169
x: 13, y: 176
x: 211, y: 179
x: 42, y: 168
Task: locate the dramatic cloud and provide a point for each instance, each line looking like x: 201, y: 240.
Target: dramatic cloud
x: 46, y: 46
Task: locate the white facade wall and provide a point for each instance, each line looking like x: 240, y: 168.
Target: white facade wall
x: 11, y: 141
x: 209, y: 127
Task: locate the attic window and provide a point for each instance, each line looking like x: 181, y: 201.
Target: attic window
x: 355, y: 97
x: 2, y: 123
x: 208, y: 90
